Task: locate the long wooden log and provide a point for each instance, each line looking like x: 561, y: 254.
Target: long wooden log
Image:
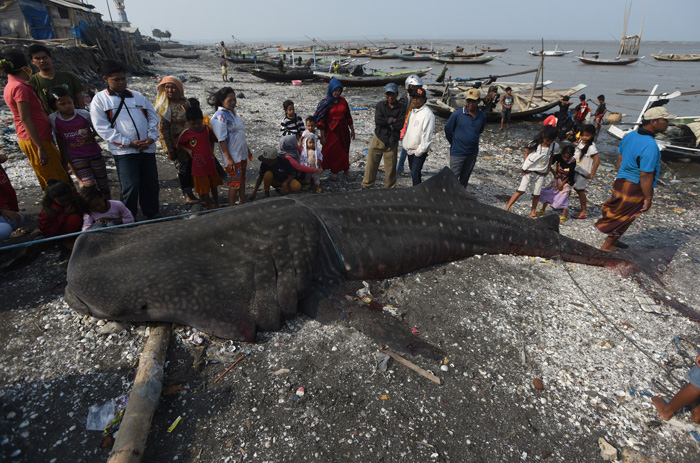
x: 133, y: 431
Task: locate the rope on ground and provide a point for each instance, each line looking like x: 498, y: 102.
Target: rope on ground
x: 95, y: 230
x: 668, y: 373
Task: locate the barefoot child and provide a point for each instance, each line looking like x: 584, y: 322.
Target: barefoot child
x: 311, y: 156
x: 292, y: 123
x: 557, y: 193
x: 587, y: 162
x: 103, y: 212
x: 689, y: 395
x: 76, y: 140
x: 199, y: 141
x: 535, y: 168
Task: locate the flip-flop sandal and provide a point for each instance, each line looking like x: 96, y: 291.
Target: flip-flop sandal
x: 540, y: 212
x: 563, y: 219
x: 579, y: 216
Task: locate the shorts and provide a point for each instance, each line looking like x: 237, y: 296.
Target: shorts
x: 580, y: 183
x: 224, y: 69
x: 203, y: 185
x: 693, y: 376
x: 539, y: 182
x: 237, y: 175
x: 505, y: 114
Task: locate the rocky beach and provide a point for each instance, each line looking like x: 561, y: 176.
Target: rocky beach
x: 543, y: 358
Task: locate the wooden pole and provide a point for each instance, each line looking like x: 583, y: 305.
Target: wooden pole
x: 133, y: 431
x: 413, y: 366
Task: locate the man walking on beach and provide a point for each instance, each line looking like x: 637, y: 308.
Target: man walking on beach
x: 388, y: 119
x: 639, y: 163
x: 48, y: 77
x: 463, y: 130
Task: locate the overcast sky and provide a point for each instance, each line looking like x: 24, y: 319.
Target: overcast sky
x: 285, y: 20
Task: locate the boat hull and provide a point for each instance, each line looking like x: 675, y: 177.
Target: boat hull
x: 371, y: 80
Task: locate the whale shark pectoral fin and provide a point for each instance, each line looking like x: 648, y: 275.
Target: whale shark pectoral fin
x: 329, y: 306
x: 549, y: 222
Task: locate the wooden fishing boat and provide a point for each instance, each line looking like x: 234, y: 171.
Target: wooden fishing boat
x: 414, y: 57
x: 371, y: 80
x: 680, y: 141
x: 677, y: 57
x: 283, y: 76
x: 477, y: 60
x: 494, y: 50
x: 179, y: 55
x: 527, y: 102
x: 554, y: 52
x: 465, y: 54
x: 619, y: 61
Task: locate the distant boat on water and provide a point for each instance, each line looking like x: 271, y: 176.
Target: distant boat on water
x: 677, y: 57
x: 629, y: 48
x: 555, y: 52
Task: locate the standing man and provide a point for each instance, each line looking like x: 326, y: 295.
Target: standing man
x: 388, y: 120
x: 463, y: 130
x: 419, y: 133
x: 127, y: 120
x: 639, y: 163
x: 48, y: 77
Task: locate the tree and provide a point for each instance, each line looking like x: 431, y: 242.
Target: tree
x: 157, y: 33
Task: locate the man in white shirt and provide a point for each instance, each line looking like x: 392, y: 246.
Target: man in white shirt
x: 419, y: 133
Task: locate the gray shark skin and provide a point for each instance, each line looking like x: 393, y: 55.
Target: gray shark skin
x: 238, y: 270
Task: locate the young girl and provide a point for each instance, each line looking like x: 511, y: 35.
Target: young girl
x: 61, y: 212
x: 103, y: 212
x: 587, y: 162
x: 689, y: 395
x: 76, y: 140
x: 557, y: 193
x: 311, y: 156
x: 536, y: 166
x: 199, y: 141
x: 230, y: 133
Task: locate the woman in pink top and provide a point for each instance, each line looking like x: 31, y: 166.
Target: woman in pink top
x: 34, y: 135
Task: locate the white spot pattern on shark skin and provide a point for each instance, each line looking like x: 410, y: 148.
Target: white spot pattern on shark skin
x: 425, y: 224
x: 441, y: 225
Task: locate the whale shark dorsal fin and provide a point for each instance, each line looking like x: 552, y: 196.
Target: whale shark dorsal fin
x: 549, y: 222
x: 444, y: 181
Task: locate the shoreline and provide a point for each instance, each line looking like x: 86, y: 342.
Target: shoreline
x: 503, y: 321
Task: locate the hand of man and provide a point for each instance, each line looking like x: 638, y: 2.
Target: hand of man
x: 646, y: 206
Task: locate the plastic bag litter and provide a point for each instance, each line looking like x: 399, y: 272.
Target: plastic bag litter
x: 100, y: 415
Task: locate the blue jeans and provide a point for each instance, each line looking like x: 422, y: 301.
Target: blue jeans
x: 415, y: 163
x: 7, y: 226
x: 462, y: 167
x: 138, y: 176
x: 402, y: 161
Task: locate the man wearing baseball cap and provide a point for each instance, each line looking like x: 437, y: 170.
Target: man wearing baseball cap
x: 463, y: 130
x: 639, y: 164
x: 388, y: 121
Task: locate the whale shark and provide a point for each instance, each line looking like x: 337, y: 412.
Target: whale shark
x: 238, y: 270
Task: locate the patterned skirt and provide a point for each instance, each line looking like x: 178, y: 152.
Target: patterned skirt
x: 621, y: 209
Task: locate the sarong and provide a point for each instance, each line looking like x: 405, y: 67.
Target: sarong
x: 621, y: 209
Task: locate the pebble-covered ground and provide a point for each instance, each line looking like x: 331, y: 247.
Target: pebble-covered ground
x: 542, y: 358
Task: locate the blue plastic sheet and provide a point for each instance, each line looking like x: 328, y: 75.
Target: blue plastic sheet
x: 38, y: 18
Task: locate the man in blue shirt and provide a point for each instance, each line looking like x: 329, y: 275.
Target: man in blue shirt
x: 463, y: 130
x: 639, y: 163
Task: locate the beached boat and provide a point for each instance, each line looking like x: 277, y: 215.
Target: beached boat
x: 179, y: 55
x: 527, y: 102
x: 677, y: 57
x: 283, y: 76
x: 371, y: 80
x: 619, y: 61
x: 680, y: 141
x: 477, y: 60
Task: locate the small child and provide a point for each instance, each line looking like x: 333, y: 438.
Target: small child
x: 507, y: 104
x: 292, y: 123
x: 599, y: 114
x: 689, y: 395
x: 311, y: 156
x: 557, y: 193
x: 199, y: 141
x: 582, y: 109
x: 587, y: 162
x: 224, y: 69
x: 62, y: 211
x: 103, y: 212
x: 536, y: 166
x: 76, y: 140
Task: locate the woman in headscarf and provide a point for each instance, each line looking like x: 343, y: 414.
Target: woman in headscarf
x: 34, y: 133
x: 336, y: 130
x: 171, y: 105
x: 289, y: 148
